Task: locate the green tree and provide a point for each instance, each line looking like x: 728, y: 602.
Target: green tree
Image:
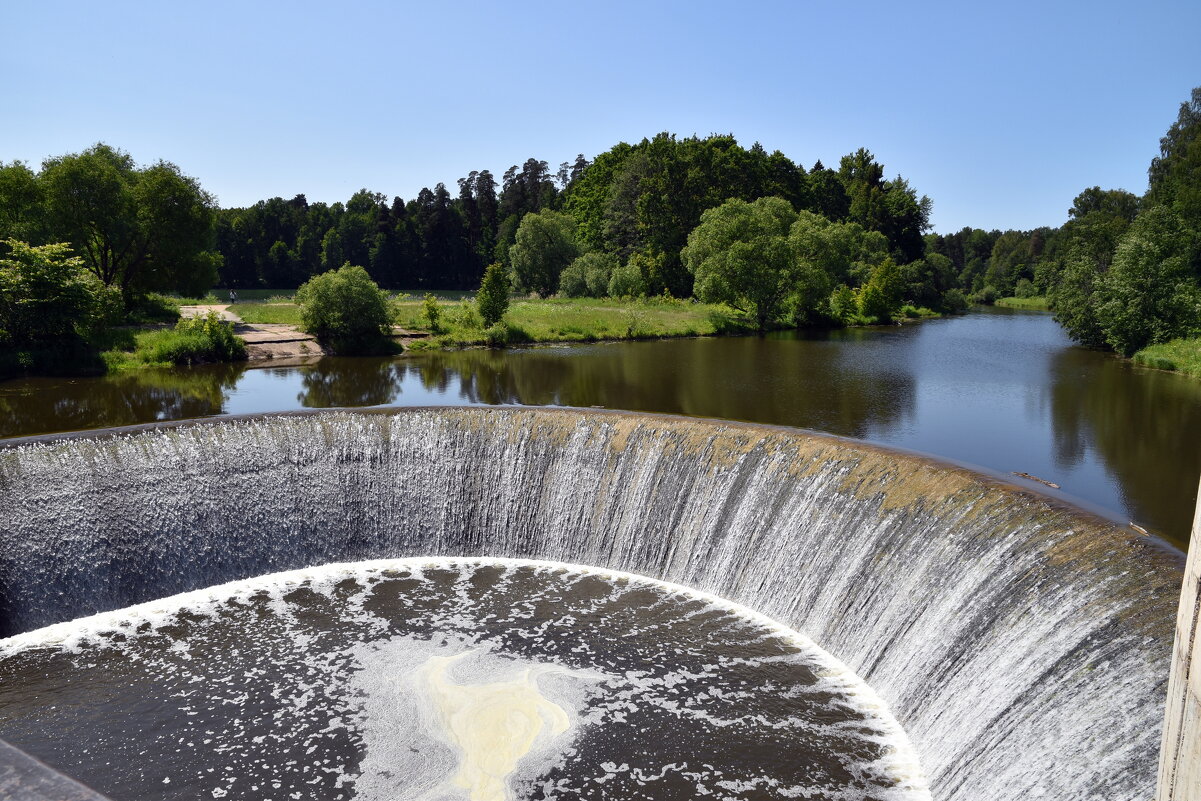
x: 135, y: 229
x: 1075, y: 301
x: 545, y: 243
x: 46, y: 295
x: 346, y: 309
x: 740, y: 255
x: 1175, y: 174
x: 880, y: 297
x: 22, y: 212
x: 1151, y: 293
x: 844, y: 251
x: 493, y: 297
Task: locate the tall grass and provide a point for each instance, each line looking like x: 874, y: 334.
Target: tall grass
x: 1181, y: 355
x: 196, y: 340
x: 1037, y: 303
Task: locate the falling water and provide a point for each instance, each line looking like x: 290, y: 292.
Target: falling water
x: 1023, y: 645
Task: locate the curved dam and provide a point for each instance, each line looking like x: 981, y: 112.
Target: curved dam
x: 1022, y: 644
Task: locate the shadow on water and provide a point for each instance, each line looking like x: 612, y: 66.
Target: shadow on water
x: 349, y: 381
x: 809, y: 383
x: 41, y: 405
x: 1145, y: 425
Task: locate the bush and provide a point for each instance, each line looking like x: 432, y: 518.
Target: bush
x: 626, y: 282
x: 432, y: 312
x: 493, y: 298
x: 572, y: 281
x: 843, y: 306
x: 502, y: 334
x: 598, y: 272
x: 466, y: 316
x: 588, y: 276
x: 345, y: 309
x: 987, y: 296
x: 195, y: 340
x: 1025, y: 289
x: 954, y: 301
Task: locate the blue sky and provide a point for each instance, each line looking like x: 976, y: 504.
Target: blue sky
x: 1001, y: 113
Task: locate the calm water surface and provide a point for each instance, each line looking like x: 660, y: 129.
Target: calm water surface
x: 1002, y: 389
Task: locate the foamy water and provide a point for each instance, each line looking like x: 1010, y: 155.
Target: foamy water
x: 449, y: 679
x: 1024, y: 645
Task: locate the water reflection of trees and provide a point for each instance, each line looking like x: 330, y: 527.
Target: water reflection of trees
x: 1144, y: 424
x: 31, y: 406
x: 813, y: 384
x: 347, y: 381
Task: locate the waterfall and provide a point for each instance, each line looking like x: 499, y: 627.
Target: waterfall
x: 1022, y: 644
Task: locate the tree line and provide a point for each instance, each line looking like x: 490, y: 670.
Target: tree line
x: 681, y: 216
x: 633, y: 201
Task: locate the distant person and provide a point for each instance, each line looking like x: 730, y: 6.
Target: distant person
x: 233, y: 296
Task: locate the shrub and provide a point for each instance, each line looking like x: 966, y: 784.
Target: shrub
x: 194, y: 340
x: 152, y: 308
x: 842, y: 304
x: 873, y: 303
x: 588, y: 276
x: 572, y: 281
x: 1025, y: 289
x: 598, y: 271
x: 626, y: 282
x: 467, y: 316
x: 987, y: 296
x: 493, y: 298
x: 432, y: 312
x: 954, y: 301
x: 346, y: 309
x: 502, y: 333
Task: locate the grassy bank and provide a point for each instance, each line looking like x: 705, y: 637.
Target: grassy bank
x: 571, y: 320
x: 552, y: 320
x: 1038, y: 303
x: 1181, y: 355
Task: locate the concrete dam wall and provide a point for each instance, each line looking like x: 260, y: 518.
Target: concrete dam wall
x: 1024, y: 645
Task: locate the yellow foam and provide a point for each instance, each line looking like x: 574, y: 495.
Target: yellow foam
x: 492, y: 725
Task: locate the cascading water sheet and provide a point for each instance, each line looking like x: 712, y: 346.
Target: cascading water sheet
x: 450, y: 679
x: 1022, y: 643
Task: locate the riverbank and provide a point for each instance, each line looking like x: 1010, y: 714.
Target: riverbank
x: 533, y: 321
x: 1179, y: 355
x: 549, y: 320
x: 1038, y: 303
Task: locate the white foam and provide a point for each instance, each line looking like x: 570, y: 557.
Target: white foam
x: 391, y: 716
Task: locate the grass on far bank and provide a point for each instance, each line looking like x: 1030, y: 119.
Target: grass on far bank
x: 553, y: 320
x: 1181, y: 355
x: 1038, y: 303
x: 572, y: 320
x: 550, y: 320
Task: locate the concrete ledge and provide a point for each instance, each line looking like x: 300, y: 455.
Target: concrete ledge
x: 1180, y: 757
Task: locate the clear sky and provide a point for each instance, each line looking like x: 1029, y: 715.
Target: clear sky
x: 1000, y: 112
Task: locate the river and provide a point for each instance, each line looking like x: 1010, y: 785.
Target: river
x: 998, y: 388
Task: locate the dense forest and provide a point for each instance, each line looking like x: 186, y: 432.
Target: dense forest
x: 633, y: 201
x: 685, y: 217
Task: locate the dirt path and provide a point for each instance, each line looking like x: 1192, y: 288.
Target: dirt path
x: 263, y: 340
